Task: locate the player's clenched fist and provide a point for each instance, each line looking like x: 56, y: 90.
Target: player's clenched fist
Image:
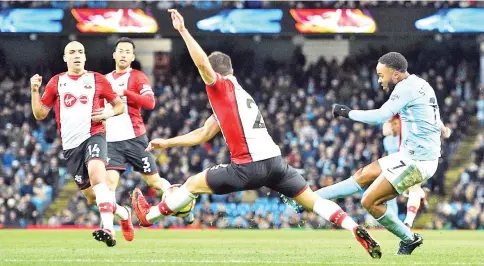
x: 35, y: 82
x: 177, y: 20
x: 157, y: 144
x: 341, y: 110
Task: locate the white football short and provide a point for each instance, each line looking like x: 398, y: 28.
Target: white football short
x: 403, y: 172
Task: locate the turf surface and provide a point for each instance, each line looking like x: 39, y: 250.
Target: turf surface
x: 233, y: 247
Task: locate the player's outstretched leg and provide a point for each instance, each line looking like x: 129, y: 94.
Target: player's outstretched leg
x: 332, y: 212
x: 123, y: 213
x: 361, y: 179
x: 148, y: 214
x: 374, y: 202
x: 104, y: 201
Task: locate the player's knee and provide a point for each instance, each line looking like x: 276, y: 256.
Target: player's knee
x: 192, y: 184
x: 361, y: 178
x: 365, y: 176
x: 197, y: 184
x: 367, y: 202
x: 112, y: 178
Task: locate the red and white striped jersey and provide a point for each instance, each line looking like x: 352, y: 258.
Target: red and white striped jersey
x: 129, y: 124
x: 75, y: 97
x: 240, y: 121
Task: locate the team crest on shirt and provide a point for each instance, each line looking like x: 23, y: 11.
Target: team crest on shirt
x: 87, y: 83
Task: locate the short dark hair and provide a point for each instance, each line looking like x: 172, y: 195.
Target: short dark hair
x: 394, y: 60
x: 124, y: 39
x: 221, y: 63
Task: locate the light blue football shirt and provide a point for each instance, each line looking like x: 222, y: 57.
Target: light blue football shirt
x: 414, y: 99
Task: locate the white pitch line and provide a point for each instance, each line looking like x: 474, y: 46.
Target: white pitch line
x: 224, y: 261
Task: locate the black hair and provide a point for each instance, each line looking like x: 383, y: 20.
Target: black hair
x: 394, y: 60
x: 124, y: 39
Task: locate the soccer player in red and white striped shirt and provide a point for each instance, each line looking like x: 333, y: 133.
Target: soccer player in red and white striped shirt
x: 126, y: 133
x: 256, y: 160
x: 78, y: 99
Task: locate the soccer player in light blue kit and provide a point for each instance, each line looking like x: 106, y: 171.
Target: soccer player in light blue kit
x: 415, y: 101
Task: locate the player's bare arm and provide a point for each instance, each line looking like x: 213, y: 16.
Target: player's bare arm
x: 195, y: 137
x: 40, y: 111
x: 199, y: 57
x: 143, y: 97
x: 103, y: 114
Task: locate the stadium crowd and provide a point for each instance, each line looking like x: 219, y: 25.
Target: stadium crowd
x: 295, y: 102
x: 465, y: 208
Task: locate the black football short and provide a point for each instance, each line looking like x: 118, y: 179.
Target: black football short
x: 273, y: 173
x: 131, y: 151
x: 94, y: 148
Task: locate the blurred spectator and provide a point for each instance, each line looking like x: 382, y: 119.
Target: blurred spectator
x: 465, y: 209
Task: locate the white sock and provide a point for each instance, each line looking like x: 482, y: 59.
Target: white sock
x: 121, y: 211
x: 413, y: 205
x: 179, y: 198
x: 332, y: 212
x: 154, y: 214
x: 104, y: 202
x: 175, y: 201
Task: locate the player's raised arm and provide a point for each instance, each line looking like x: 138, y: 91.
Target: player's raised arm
x: 199, y: 57
x: 195, y: 137
x: 41, y: 107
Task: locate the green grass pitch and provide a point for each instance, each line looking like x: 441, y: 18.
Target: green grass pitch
x: 233, y: 247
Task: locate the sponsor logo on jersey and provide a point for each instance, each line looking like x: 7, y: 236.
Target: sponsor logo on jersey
x: 69, y: 100
x: 83, y: 99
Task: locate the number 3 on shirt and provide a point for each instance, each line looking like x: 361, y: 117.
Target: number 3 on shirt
x: 259, y: 123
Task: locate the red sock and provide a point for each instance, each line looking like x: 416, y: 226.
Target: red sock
x: 337, y: 217
x: 164, y: 209
x: 412, y: 209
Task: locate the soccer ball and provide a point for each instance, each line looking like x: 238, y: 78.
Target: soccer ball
x: 187, y: 209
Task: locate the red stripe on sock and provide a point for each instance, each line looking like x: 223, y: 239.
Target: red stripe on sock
x: 105, y: 207
x: 338, y: 217
x: 164, y: 209
x: 412, y: 209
